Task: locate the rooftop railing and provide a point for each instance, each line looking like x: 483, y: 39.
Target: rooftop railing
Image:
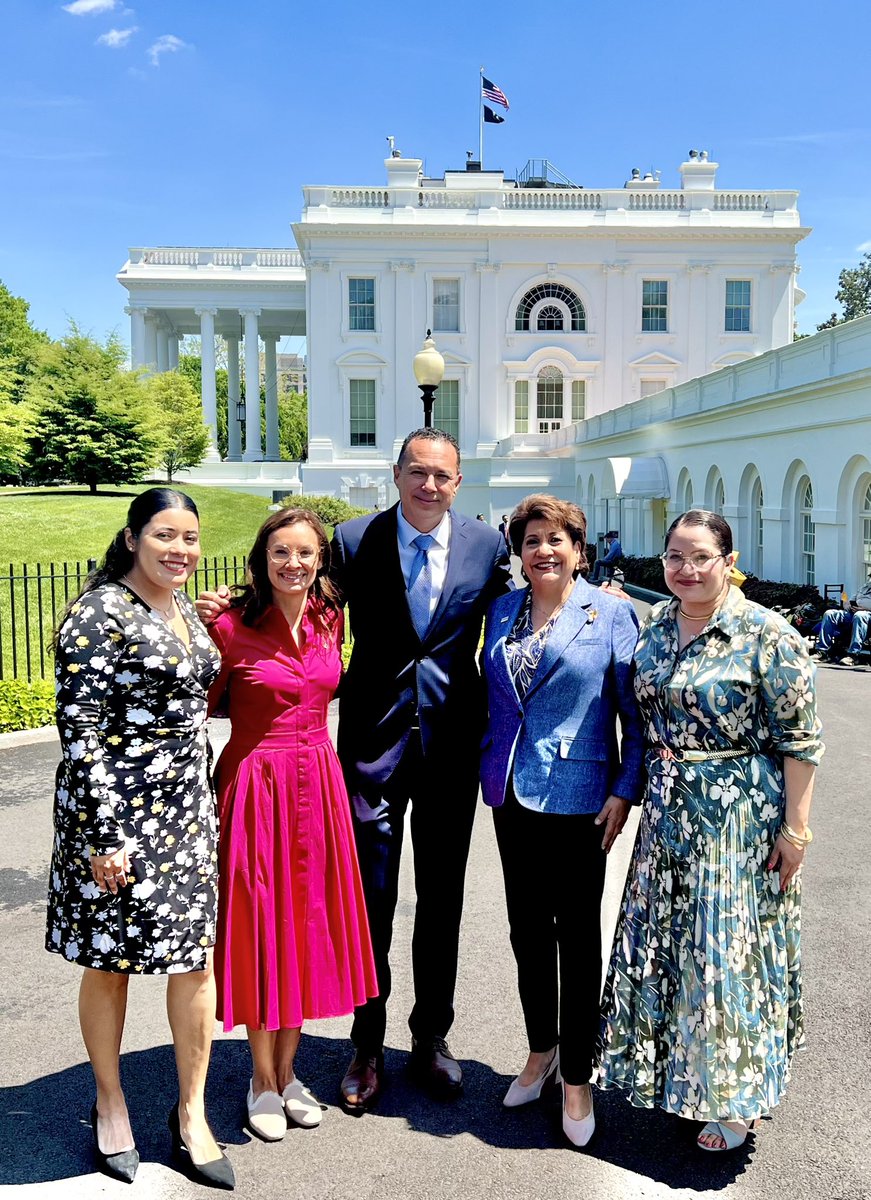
x: 200, y: 257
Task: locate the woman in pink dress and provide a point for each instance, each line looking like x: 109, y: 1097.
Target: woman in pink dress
x: 293, y: 938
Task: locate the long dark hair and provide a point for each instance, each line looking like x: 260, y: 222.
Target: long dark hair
x: 718, y: 527
x: 254, y: 596
x: 118, y: 559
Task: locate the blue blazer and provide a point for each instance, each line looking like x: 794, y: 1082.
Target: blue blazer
x: 558, y: 745
x: 395, y: 679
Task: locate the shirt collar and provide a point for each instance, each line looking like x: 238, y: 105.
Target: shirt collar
x: 407, y: 532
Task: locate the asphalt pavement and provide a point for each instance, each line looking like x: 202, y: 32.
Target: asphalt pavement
x: 412, y: 1148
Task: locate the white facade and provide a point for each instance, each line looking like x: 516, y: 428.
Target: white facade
x: 571, y: 322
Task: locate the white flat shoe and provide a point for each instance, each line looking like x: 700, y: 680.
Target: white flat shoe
x: 525, y: 1093
x: 580, y: 1131
x: 300, y: 1105
x: 266, y: 1115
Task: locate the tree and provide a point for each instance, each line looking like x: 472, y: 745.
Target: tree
x: 20, y: 344
x: 94, y: 422
x: 853, y: 294
x: 191, y: 367
x: 293, y: 425
x: 184, y: 438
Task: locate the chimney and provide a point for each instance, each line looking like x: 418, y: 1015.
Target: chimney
x: 697, y: 173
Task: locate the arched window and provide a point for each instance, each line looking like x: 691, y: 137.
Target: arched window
x: 550, y: 291
x: 688, y: 495
x: 865, y: 514
x: 719, y: 497
x: 551, y: 317
x: 807, y: 531
x: 756, y: 528
x: 549, y: 399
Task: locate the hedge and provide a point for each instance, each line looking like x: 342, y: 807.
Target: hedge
x: 25, y: 705
x: 800, y: 603
x: 329, y: 509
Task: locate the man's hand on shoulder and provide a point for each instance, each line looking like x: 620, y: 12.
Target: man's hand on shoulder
x: 210, y: 605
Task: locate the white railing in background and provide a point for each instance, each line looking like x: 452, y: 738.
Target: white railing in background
x: 200, y: 257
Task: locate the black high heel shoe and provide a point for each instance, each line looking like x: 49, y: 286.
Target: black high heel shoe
x: 117, y: 1166
x: 216, y: 1173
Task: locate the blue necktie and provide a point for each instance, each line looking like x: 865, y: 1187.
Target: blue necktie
x: 420, y: 583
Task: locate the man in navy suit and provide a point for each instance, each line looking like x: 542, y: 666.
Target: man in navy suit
x: 417, y: 579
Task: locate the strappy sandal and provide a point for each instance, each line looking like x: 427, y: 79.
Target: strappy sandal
x: 731, y: 1137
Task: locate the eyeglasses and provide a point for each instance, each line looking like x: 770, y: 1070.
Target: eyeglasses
x: 281, y: 556
x: 699, y: 562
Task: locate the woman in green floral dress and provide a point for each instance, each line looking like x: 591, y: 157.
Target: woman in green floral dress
x: 702, y: 1005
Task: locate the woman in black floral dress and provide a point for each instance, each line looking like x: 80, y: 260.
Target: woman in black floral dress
x: 134, y: 866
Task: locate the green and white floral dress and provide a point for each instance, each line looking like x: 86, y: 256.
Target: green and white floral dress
x: 702, y: 1005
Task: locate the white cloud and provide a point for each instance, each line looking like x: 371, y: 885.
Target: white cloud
x: 88, y: 8
x: 168, y: 43
x: 863, y: 248
x: 116, y: 39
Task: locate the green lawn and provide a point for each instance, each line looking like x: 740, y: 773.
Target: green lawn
x: 45, y: 525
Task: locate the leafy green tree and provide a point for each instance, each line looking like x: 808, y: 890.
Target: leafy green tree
x: 853, y: 294
x: 293, y: 425
x: 94, y: 422
x: 184, y: 438
x: 190, y: 365
x: 20, y: 344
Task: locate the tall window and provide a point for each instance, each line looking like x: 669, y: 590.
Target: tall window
x: 688, y: 495
x: 446, y: 407
x: 654, y: 306
x: 866, y: 534
x: 446, y: 305
x: 362, y: 411
x: 551, y: 291
x: 579, y: 399
x: 521, y: 406
x: 757, y: 527
x: 807, y: 531
x: 737, y: 306
x: 719, y: 497
x: 549, y: 399
x: 361, y: 304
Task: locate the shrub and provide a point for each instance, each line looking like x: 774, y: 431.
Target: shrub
x: 330, y: 509
x: 644, y: 572
x: 25, y: 705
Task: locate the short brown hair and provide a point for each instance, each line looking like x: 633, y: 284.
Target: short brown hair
x: 541, y: 507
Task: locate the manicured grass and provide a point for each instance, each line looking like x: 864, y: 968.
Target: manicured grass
x: 54, y: 525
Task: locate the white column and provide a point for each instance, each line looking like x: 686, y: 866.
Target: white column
x: 172, y: 356
x: 137, y: 335
x: 162, y: 347
x: 273, y: 453
x: 207, y: 361
x: 253, y: 443
x: 234, y: 395
x: 150, y: 362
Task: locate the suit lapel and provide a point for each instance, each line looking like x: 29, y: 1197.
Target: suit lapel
x: 499, y: 655
x: 568, y: 625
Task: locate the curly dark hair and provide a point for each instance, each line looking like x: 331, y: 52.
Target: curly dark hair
x: 254, y: 596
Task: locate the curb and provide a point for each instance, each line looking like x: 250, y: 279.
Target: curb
x: 28, y: 737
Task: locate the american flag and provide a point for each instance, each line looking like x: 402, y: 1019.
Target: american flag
x: 493, y: 93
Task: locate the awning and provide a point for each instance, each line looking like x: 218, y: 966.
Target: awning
x: 640, y: 478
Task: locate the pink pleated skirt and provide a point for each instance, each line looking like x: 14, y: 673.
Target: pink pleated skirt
x: 293, y: 937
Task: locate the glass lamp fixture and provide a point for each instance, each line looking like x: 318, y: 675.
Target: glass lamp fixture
x: 429, y: 371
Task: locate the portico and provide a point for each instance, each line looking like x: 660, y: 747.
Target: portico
x: 242, y: 296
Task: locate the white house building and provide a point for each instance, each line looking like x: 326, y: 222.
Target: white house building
x: 620, y: 347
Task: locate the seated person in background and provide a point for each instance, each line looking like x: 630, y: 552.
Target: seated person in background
x: 604, y: 567
x: 839, y: 622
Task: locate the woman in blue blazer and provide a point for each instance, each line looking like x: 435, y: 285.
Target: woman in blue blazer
x: 558, y: 664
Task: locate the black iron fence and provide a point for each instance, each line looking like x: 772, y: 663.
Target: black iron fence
x: 32, y: 597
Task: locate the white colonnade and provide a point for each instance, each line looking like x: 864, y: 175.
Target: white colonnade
x: 154, y: 341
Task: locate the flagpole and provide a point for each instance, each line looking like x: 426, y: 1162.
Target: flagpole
x: 481, y: 117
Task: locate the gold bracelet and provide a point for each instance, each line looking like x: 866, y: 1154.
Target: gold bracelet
x: 801, y: 842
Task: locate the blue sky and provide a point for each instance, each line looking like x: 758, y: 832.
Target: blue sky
x: 201, y: 124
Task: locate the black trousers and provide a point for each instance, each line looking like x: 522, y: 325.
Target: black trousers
x: 443, y: 800
x: 554, y: 869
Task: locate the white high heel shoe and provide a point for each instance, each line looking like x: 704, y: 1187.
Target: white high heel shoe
x: 579, y: 1131
x: 525, y: 1093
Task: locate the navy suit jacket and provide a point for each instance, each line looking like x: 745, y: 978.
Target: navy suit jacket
x: 558, y: 745
x: 395, y: 678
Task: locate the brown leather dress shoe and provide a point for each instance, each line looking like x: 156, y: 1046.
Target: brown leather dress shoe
x: 433, y: 1066
x: 362, y: 1084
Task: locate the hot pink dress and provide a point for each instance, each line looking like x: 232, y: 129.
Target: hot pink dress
x: 293, y: 937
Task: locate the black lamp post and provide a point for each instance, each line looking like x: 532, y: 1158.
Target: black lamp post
x: 429, y: 371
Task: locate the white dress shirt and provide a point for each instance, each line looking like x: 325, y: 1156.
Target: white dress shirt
x: 438, y: 554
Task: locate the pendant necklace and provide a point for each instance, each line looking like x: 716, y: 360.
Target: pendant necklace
x: 166, y: 614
